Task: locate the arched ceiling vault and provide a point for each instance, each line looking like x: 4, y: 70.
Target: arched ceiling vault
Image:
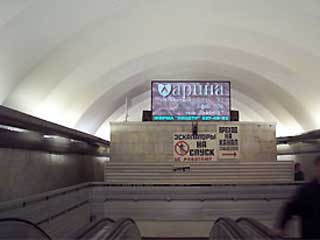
x: 73, y: 62
x: 274, y: 98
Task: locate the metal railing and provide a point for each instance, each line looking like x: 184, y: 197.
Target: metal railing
x: 124, y: 229
x: 257, y: 229
x: 93, y: 228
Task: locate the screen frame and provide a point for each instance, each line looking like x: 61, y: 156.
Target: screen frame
x: 189, y: 81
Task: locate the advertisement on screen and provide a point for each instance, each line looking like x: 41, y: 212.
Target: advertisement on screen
x: 190, y: 100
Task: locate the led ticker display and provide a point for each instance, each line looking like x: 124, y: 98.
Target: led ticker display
x: 190, y: 100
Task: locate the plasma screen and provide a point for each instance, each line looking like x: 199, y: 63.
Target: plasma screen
x: 190, y: 100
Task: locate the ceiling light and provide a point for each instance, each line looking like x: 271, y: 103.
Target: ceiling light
x: 13, y: 129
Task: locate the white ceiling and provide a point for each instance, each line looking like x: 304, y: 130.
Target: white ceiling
x: 74, y: 61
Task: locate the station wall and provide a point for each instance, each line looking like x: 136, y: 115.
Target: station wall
x: 24, y: 172
x: 153, y: 141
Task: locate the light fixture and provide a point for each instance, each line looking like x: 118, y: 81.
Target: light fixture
x: 13, y: 129
x: 49, y: 136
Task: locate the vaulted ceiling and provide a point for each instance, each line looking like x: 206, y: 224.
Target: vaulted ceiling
x: 74, y: 62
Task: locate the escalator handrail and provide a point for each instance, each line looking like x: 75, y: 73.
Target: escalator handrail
x: 232, y: 226
x: 83, y: 234
x: 27, y: 222
x: 118, y: 227
x: 263, y: 229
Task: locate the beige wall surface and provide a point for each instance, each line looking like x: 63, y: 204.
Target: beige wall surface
x: 25, y: 173
x: 153, y: 141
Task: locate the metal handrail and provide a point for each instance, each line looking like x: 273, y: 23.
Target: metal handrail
x: 260, y: 228
x: 119, y: 227
x: 231, y: 228
x: 92, y: 227
x: 23, y: 202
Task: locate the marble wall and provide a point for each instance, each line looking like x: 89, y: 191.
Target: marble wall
x: 153, y: 141
x: 24, y: 173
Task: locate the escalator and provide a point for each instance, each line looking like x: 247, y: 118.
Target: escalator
x: 126, y: 229
x: 256, y: 229
x: 14, y: 228
x: 227, y: 229
x: 242, y: 228
x: 107, y: 229
x: 88, y: 232
x: 104, y: 229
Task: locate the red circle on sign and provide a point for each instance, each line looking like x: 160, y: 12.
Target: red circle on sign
x: 181, y: 148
